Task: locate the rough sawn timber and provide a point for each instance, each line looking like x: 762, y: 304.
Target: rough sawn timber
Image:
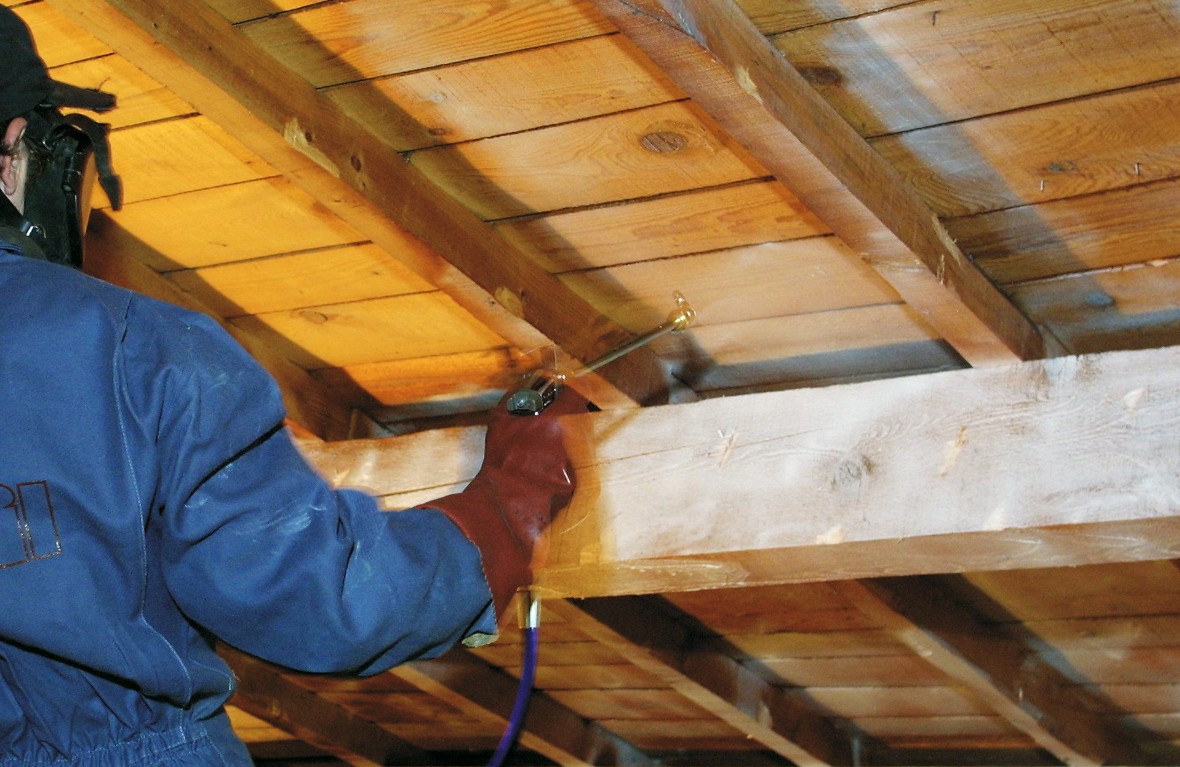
x: 715, y: 53
x: 1049, y: 463
x: 197, y: 54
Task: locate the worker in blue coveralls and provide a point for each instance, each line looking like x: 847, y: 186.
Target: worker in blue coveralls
x: 151, y: 500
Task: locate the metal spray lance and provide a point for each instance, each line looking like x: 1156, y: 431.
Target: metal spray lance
x: 544, y: 384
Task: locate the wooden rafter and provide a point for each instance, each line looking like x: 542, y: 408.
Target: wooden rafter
x: 711, y: 680
x: 265, y: 693
x: 712, y: 50
x: 195, y: 52
x: 551, y: 729
x: 1049, y: 463
x: 1023, y: 689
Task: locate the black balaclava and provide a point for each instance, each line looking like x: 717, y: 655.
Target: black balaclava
x: 68, y: 150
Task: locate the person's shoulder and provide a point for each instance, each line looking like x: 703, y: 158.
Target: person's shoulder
x: 56, y: 294
x: 48, y: 291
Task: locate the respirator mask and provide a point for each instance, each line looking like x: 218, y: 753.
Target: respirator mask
x: 67, y: 154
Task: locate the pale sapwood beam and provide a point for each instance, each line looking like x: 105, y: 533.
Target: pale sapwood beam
x: 194, y: 52
x: 1050, y: 463
x: 1006, y: 676
x: 551, y: 729
x: 712, y: 50
x: 712, y: 680
x: 265, y: 693
x: 111, y: 256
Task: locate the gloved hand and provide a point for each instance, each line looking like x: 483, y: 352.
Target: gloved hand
x: 525, y: 479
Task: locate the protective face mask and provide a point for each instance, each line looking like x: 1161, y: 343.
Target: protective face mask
x: 69, y: 154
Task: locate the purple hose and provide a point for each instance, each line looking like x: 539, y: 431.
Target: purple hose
x: 527, y: 673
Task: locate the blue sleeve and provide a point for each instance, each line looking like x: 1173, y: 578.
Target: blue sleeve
x: 257, y: 548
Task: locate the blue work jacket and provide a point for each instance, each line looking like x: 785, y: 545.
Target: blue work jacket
x: 151, y: 500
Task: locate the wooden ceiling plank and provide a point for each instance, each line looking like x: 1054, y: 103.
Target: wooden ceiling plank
x: 194, y: 51
x: 551, y: 729
x: 1017, y: 158
x: 1016, y: 683
x: 373, y: 330
x: 112, y: 256
x: 601, y: 160
x: 676, y: 225
x: 1050, y: 463
x: 465, y: 101
x: 774, y: 279
x: 946, y: 62
x: 776, y: 16
x: 1119, y: 308
x: 367, y: 38
x: 264, y: 692
x: 425, y: 379
x: 221, y: 225
x: 711, y: 680
x: 1116, y: 228
x: 729, y: 68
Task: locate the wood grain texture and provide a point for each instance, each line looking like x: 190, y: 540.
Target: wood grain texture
x: 862, y: 480
x: 1122, y: 227
x: 334, y: 335
x: 227, y: 224
x: 298, y: 280
x: 1068, y: 149
x: 776, y: 16
x: 1030, y: 693
x: 769, y: 280
x: 676, y: 225
x: 174, y: 157
x: 304, y: 135
x: 468, y: 101
x: 360, y: 39
x: 728, y: 66
x: 944, y: 62
x: 1130, y: 308
x: 265, y: 693
x: 708, y: 681
x: 587, y: 163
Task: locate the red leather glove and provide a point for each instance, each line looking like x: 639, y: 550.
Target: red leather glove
x: 525, y: 479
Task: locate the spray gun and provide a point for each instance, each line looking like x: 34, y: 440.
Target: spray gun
x: 531, y: 399
x: 543, y: 385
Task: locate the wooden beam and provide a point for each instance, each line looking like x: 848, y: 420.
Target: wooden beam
x: 712, y: 50
x: 111, y: 256
x: 1049, y: 463
x: 1035, y: 698
x: 191, y: 49
x: 265, y: 693
x: 712, y: 680
x: 550, y: 729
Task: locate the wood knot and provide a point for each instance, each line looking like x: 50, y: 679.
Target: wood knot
x: 850, y: 471
x: 821, y: 76
x: 664, y: 142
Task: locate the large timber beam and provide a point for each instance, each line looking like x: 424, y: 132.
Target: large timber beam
x: 191, y: 49
x: 712, y: 50
x: 1049, y: 463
